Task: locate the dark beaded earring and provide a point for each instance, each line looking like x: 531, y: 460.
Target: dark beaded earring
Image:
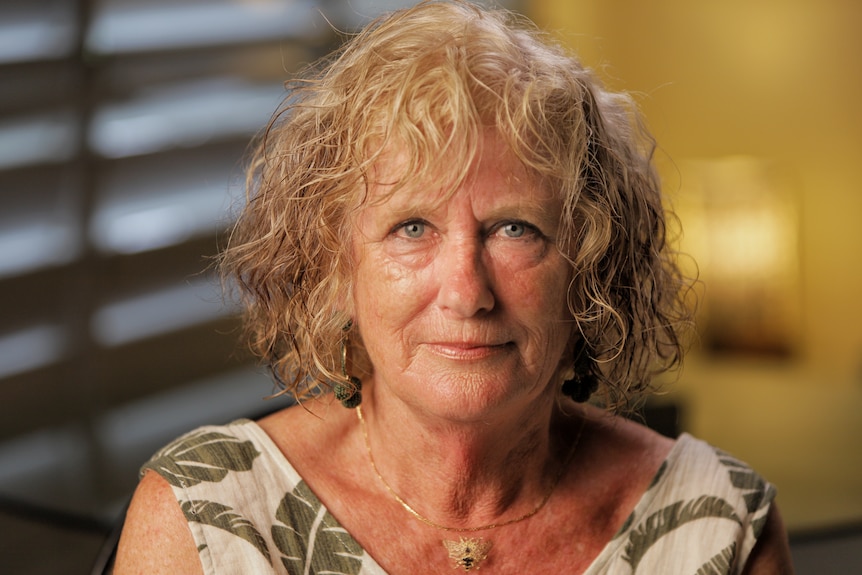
x: 584, y: 382
x: 580, y: 387
x: 349, y: 390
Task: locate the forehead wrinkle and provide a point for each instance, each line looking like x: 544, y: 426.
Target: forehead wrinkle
x: 534, y: 201
x: 409, y: 196
x: 408, y: 199
x: 530, y: 209
x: 531, y: 202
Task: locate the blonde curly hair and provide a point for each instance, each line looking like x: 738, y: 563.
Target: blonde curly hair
x: 434, y: 78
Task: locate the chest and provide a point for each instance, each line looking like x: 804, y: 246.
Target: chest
x: 555, y: 541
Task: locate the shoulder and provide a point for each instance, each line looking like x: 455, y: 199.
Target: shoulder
x: 311, y: 419
x: 206, y: 464
x: 690, y: 481
x: 614, y: 464
x: 191, y: 487
x: 156, y: 537
x: 623, y: 449
x: 315, y: 436
x: 715, y: 472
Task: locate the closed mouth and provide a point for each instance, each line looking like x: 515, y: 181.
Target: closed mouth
x: 467, y: 351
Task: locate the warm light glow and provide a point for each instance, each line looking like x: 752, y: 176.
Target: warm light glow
x: 740, y: 224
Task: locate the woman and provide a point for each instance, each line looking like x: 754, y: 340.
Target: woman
x: 455, y: 230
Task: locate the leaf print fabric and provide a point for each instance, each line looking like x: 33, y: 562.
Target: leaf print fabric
x: 720, y: 563
x: 223, y: 517
x: 671, y: 517
x: 757, y: 492
x: 202, y: 456
x: 699, y: 517
x: 310, y: 539
x: 249, y: 511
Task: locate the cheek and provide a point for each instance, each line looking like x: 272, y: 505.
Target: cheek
x: 541, y: 287
x: 538, y: 298
x: 385, y: 294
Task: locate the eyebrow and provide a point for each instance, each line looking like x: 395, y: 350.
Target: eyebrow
x: 531, y: 201
x: 544, y: 216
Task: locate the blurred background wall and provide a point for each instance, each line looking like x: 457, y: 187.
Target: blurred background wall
x: 122, y: 128
x: 755, y: 109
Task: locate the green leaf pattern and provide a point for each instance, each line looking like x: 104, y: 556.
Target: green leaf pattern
x: 720, y: 563
x: 310, y: 538
x: 758, y: 494
x: 734, y: 500
x: 656, y: 480
x: 223, y: 517
x: 672, y: 517
x: 207, y: 468
x: 202, y: 456
x: 234, y: 481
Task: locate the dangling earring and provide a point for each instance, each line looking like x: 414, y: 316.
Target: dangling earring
x: 583, y: 382
x: 580, y: 387
x: 349, y: 390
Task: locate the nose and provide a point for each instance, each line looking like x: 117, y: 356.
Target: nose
x: 465, y: 283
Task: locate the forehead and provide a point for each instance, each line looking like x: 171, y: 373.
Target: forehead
x: 398, y: 182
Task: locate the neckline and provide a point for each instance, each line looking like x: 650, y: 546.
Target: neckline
x: 608, y: 551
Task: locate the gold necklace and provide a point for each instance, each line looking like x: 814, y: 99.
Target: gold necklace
x: 468, y: 552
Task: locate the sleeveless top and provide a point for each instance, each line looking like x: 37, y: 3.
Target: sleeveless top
x: 249, y: 511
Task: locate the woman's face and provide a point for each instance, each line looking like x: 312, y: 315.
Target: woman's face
x: 461, y: 303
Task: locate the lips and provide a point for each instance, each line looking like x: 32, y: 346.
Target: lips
x: 467, y: 351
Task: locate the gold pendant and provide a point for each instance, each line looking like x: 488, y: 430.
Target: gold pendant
x: 468, y: 553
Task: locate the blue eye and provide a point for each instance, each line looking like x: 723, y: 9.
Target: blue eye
x: 413, y: 229
x: 514, y: 229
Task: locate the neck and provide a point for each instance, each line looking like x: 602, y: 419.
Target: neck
x: 468, y: 474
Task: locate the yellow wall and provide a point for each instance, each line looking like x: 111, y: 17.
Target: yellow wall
x: 779, y: 81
